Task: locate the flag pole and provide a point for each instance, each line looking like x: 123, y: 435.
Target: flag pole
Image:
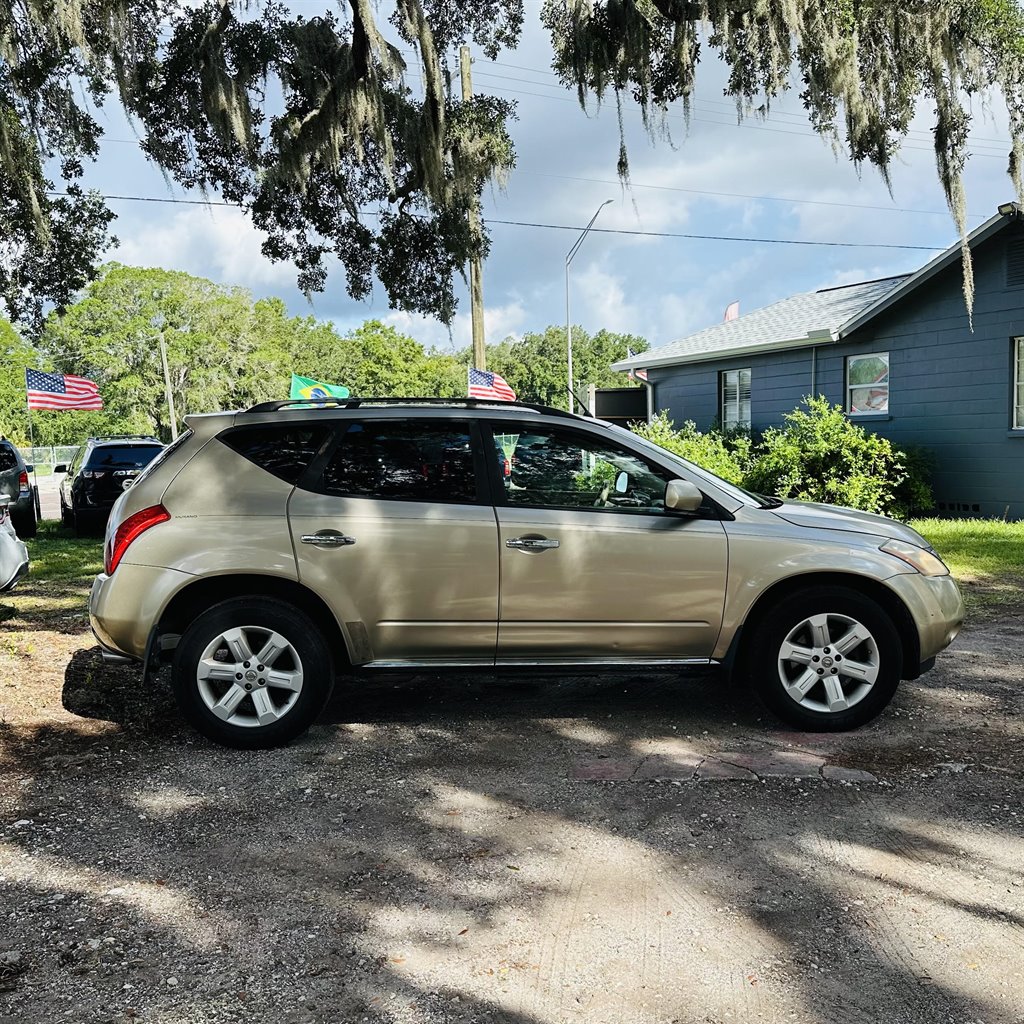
x: 31, y: 442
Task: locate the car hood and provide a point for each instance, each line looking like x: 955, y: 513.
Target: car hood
x: 833, y: 517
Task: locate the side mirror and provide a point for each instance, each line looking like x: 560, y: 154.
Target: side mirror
x: 682, y: 496
x: 61, y: 467
x: 30, y: 469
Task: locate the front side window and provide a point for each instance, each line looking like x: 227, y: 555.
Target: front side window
x: 403, y: 461
x: 552, y: 468
x: 867, y: 383
x: 735, y: 405
x: 1018, y: 383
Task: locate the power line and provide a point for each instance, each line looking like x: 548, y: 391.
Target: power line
x: 775, y: 110
x: 744, y: 195
x: 721, y: 238
x: 570, y: 227
x: 688, y: 191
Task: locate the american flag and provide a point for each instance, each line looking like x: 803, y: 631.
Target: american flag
x: 61, y: 391
x: 483, y: 384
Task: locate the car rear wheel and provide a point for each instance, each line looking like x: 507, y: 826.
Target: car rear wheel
x: 252, y: 673
x: 825, y: 659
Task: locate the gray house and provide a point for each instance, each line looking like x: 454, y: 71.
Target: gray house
x: 898, y: 354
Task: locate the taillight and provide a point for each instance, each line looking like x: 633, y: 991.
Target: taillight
x: 134, y: 526
x: 23, y: 481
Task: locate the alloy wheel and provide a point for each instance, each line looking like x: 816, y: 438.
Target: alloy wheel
x: 249, y: 676
x: 828, y: 662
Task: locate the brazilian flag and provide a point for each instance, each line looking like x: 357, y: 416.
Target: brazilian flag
x: 314, y: 390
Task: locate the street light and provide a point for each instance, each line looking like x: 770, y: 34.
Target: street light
x: 568, y: 319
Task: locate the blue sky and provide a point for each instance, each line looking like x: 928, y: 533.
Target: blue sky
x: 763, y: 179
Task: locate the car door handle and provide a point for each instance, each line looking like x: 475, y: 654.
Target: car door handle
x: 531, y: 543
x: 327, y: 539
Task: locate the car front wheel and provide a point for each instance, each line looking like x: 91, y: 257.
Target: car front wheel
x: 825, y: 659
x: 252, y: 673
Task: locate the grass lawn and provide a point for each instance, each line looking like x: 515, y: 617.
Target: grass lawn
x: 985, y: 555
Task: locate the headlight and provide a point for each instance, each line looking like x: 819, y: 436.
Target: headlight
x: 924, y: 560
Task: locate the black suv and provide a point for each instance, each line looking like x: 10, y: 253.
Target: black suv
x: 100, y: 470
x: 16, y: 486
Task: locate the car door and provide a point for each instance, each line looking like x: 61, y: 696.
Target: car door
x: 593, y: 567
x: 394, y: 528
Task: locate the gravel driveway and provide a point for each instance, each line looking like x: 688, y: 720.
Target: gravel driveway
x: 512, y: 849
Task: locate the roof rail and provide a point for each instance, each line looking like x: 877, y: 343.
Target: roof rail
x: 356, y: 402
x: 125, y: 437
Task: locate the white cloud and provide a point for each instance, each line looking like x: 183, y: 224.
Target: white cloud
x: 218, y: 242
x: 499, y: 323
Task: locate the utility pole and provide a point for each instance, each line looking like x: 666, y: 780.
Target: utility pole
x: 158, y: 322
x: 476, y: 280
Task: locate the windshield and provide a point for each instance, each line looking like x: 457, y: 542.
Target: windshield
x: 741, y: 494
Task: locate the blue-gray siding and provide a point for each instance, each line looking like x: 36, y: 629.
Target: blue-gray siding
x: 950, y: 389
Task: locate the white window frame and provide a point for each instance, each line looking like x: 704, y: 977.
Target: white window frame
x: 850, y: 388
x: 1017, y: 395
x: 738, y: 422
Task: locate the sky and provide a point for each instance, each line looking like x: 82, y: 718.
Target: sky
x: 764, y: 179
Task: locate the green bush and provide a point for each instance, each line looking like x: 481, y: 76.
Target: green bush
x: 725, y: 456
x: 819, y: 455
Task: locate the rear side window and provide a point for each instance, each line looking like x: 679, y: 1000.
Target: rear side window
x: 8, y: 460
x: 404, y: 461
x: 282, y: 450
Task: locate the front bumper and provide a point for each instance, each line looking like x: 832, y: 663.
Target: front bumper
x: 124, y: 608
x: 936, y: 607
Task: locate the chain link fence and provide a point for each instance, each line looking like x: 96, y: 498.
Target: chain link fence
x: 50, y: 456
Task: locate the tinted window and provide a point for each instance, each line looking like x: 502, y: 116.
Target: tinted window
x: 564, y: 469
x: 123, y: 456
x: 283, y: 450
x: 411, y: 461
x: 8, y: 460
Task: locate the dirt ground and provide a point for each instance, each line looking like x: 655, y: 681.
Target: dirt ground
x: 513, y: 849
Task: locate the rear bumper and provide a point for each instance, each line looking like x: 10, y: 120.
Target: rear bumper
x: 123, y: 608
x: 935, y: 604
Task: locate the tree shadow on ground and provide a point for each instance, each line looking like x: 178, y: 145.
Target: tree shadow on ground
x: 423, y: 855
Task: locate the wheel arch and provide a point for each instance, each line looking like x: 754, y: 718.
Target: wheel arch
x: 889, y: 601
x: 196, y: 597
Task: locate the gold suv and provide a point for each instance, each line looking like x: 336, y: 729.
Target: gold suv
x: 267, y: 551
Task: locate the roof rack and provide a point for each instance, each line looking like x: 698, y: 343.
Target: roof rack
x: 125, y: 437
x: 355, y: 403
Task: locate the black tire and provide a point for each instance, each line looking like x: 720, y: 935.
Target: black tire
x: 764, y: 645
x: 255, y: 614
x: 88, y: 524
x: 24, y: 523
x: 66, y: 518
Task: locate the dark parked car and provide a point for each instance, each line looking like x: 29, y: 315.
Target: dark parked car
x: 100, y: 471
x: 16, y: 487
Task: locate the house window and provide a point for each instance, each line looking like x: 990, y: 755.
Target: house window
x: 735, y: 388
x: 867, y: 383
x: 1018, y: 383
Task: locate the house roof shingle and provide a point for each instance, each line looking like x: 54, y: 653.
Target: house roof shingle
x: 811, y: 317
x: 799, y: 317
